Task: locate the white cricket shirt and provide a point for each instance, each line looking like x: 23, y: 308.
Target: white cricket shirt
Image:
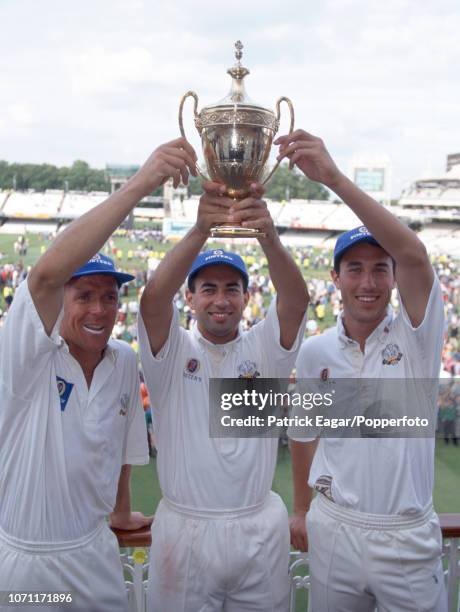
x: 194, y: 469
x: 378, y: 475
x: 62, y: 445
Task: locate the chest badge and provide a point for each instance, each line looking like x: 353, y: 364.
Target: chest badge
x: 124, y: 401
x: 391, y: 354
x: 192, y: 366
x: 64, y: 389
x: 248, y: 369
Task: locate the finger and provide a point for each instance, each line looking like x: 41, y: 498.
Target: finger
x: 250, y: 214
x: 298, y: 155
x: 295, y: 146
x: 296, y: 135
x: 248, y: 203
x: 257, y: 190
x: 211, y: 187
x: 211, y: 202
x: 181, y: 143
x: 168, y: 170
x: 178, y: 163
x: 181, y: 156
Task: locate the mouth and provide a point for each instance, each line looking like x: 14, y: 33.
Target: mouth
x: 367, y: 299
x: 95, y: 330
x: 219, y: 316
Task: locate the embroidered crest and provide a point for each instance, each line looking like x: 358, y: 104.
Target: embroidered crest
x: 64, y: 389
x: 124, y: 401
x: 218, y: 252
x: 391, y: 354
x: 248, y: 369
x: 192, y: 366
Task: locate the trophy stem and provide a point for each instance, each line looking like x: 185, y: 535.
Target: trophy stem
x: 232, y: 231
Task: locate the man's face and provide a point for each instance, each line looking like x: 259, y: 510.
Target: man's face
x: 90, y: 310
x: 218, y: 302
x: 365, y: 280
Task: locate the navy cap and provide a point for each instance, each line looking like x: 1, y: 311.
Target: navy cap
x: 348, y: 239
x: 101, y: 264
x: 218, y: 257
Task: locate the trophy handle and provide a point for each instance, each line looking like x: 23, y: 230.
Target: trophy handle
x: 193, y: 95
x: 291, y: 128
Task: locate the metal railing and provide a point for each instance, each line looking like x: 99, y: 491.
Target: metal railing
x: 134, y: 555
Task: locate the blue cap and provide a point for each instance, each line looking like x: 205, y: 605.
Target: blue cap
x: 348, y: 239
x: 101, y: 264
x: 218, y: 257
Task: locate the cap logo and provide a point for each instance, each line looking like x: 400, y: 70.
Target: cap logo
x: 217, y: 252
x: 98, y: 259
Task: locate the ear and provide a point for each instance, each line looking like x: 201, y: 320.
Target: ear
x: 246, y: 298
x: 335, y: 278
x: 189, y: 298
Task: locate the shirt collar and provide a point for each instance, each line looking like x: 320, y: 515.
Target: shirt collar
x: 207, y: 343
x: 110, y: 351
x: 380, y: 332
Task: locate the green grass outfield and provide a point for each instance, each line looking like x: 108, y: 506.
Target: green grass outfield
x: 146, y: 490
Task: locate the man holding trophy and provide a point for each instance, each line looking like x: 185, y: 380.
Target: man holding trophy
x: 220, y: 535
x: 374, y: 539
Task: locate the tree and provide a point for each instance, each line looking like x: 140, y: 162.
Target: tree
x: 284, y: 185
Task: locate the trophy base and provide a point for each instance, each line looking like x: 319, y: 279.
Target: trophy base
x: 232, y: 231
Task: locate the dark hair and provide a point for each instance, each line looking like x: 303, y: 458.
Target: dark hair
x: 191, y: 281
x: 338, y: 259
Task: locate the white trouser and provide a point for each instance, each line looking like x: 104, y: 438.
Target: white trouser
x: 360, y: 562
x: 234, y: 561
x: 89, y: 568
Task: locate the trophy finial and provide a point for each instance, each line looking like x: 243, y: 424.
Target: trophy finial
x: 239, y: 50
x: 238, y: 71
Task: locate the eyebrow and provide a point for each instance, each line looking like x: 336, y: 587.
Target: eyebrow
x: 211, y: 284
x: 382, y: 264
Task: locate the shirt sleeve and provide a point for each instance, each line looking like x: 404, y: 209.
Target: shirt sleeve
x: 429, y: 335
x: 25, y: 347
x: 135, y: 450
x: 159, y: 370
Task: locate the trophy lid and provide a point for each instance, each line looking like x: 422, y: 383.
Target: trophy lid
x: 237, y: 95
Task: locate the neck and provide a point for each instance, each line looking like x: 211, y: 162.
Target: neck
x: 87, y: 361
x: 359, y: 331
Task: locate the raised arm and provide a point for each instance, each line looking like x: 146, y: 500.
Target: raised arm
x: 157, y: 298
x: 87, y: 234
x: 292, y: 292
x: 414, y: 273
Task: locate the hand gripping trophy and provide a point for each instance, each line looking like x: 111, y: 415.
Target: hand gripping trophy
x: 236, y: 135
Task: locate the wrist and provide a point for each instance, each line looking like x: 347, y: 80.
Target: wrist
x: 336, y: 182
x: 201, y: 233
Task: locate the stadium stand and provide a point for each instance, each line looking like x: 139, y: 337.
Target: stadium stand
x: 33, y: 205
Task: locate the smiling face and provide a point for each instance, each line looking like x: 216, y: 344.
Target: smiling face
x: 365, y: 279
x: 90, y: 310
x: 218, y: 301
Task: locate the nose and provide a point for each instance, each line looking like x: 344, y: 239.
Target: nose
x: 221, y: 300
x: 368, y: 280
x: 97, y: 307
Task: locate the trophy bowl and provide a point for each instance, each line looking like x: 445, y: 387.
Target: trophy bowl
x: 236, y: 136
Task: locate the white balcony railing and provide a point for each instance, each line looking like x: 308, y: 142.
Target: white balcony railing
x: 134, y: 553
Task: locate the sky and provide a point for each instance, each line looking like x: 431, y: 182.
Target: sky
x: 101, y: 80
